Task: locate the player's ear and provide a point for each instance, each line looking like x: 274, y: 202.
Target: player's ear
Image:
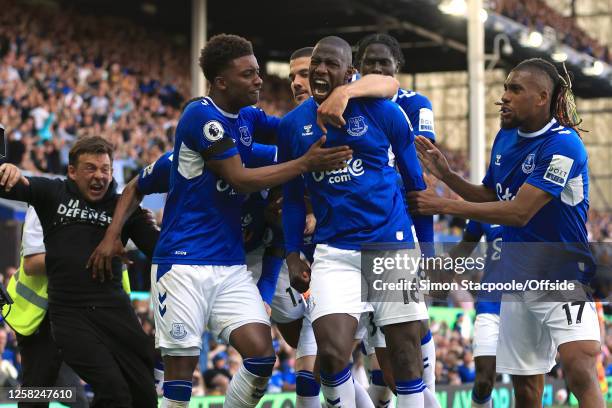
x: 219, y: 82
x: 72, y: 171
x: 544, y: 98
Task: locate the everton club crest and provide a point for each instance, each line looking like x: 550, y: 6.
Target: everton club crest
x: 356, y: 126
x: 245, y: 136
x: 529, y: 163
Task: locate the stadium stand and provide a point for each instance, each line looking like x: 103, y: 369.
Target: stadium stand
x: 536, y: 14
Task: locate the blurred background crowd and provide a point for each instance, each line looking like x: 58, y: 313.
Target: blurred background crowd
x: 537, y: 15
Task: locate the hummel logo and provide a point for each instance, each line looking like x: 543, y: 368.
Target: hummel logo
x: 162, y: 311
x: 307, y: 130
x: 161, y: 298
x: 497, y: 159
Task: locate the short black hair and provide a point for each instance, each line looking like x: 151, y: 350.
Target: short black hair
x: 220, y: 50
x: 384, y: 39
x: 302, y: 52
x: 90, y: 145
x: 340, y: 44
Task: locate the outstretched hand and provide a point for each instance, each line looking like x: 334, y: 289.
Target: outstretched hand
x: 425, y: 202
x: 432, y: 158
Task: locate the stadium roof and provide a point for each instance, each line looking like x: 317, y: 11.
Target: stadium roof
x: 431, y: 40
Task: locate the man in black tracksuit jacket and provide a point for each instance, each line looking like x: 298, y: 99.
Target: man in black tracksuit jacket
x: 92, y: 321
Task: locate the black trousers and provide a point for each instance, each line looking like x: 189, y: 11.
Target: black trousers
x: 109, y: 350
x: 42, y: 366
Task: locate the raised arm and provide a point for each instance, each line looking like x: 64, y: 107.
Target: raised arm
x: 373, y: 85
x: 39, y: 192
x: 246, y: 180
x: 515, y: 213
x: 10, y: 176
x: 564, y: 155
x: 111, y: 245
x: 154, y: 178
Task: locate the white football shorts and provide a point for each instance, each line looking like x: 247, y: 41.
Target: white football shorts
x: 531, y: 330
x: 486, y: 334
x: 189, y: 299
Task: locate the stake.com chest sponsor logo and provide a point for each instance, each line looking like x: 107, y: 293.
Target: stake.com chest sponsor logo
x: 354, y: 168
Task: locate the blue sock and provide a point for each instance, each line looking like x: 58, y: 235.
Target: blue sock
x: 409, y: 387
x: 260, y: 366
x: 249, y: 384
x: 306, y: 385
x: 270, y: 269
x: 331, y: 380
x: 410, y: 393
x: 377, y: 378
x: 480, y: 401
x: 338, y: 389
x: 426, y: 338
x: 177, y: 390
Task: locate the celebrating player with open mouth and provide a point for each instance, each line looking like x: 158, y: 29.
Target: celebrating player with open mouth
x: 352, y: 208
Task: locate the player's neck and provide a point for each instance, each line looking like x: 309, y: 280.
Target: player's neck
x: 535, y: 124
x: 222, y: 102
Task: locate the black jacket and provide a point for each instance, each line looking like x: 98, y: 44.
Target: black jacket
x: 72, y: 229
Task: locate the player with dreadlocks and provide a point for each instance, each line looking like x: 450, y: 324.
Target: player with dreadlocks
x: 537, y: 187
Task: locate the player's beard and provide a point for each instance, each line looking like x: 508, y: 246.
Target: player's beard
x: 509, y: 124
x: 253, y: 98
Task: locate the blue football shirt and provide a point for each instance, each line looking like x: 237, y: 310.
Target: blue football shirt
x: 554, y: 160
x: 202, y: 216
x: 361, y: 203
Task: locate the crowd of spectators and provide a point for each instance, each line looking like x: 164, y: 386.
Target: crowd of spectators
x: 537, y: 15
x: 64, y: 76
